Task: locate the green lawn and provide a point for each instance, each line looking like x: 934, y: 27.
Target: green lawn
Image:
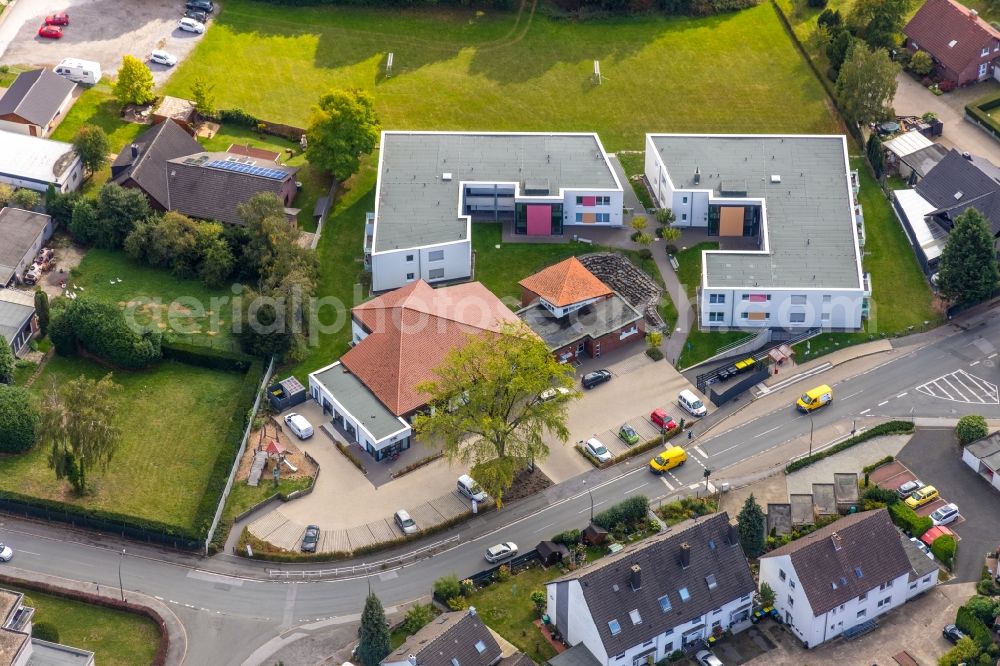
x: 701, y: 345
x: 634, y: 163
x: 116, y: 638
x: 173, y: 420
x: 96, y: 106
x: 689, y: 266
x: 200, y: 315
x: 468, y: 69
x: 9, y: 72
x: 506, y: 607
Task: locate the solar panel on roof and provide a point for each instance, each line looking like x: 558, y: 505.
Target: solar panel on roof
x: 251, y: 169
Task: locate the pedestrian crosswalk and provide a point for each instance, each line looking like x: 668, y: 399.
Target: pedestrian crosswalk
x: 960, y: 386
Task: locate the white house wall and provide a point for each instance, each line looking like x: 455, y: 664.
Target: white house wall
x: 656, y: 176
x: 69, y: 181
x: 818, y: 308
x: 921, y: 585
x: 318, y: 391
x: 570, y: 207
x: 396, y: 268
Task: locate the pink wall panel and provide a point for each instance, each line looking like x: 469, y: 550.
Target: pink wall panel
x: 539, y: 220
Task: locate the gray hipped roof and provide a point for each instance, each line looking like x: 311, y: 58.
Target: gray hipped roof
x: 145, y: 160
x: 960, y: 182
x: 450, y: 639
x: 717, y: 573
x: 36, y: 96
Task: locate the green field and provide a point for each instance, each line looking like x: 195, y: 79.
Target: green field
x: 199, y: 315
x: 467, y: 69
x: 115, y: 637
x: 96, y: 106
x: 173, y: 419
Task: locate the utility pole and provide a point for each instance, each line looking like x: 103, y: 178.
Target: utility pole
x: 591, y: 493
x: 120, y: 586
x: 811, y: 434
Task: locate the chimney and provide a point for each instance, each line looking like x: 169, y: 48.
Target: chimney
x: 685, y: 555
x: 836, y: 541
x: 472, y: 609
x: 635, y: 580
x: 135, y: 150
x: 697, y: 175
x: 731, y: 537
x: 412, y: 659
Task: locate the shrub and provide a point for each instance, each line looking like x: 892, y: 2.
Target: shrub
x: 685, y: 508
x: 887, y: 428
x: 645, y: 253
x: 984, y: 608
x: 926, y: 82
x: 906, y: 518
x: 206, y: 357
x: 101, y: 329
x: 502, y: 573
x: 970, y: 428
x: 654, y: 353
x: 45, y: 631
x: 921, y: 63
x: 18, y: 419
x: 238, y: 117
x: 944, y: 549
x: 878, y: 463
x: 629, y: 512
x: 829, y: 18
x: 671, y: 248
x: 447, y: 587
x: 417, y: 617
x: 567, y: 538
x: 947, y: 85
x: 880, y: 494
x: 817, y: 4
x: 967, y: 620
x: 539, y: 601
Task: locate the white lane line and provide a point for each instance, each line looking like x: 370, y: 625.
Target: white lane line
x: 884, y: 402
x: 629, y: 492
x: 992, y: 355
x: 701, y: 453
x: 866, y: 411
x: 763, y: 433
x: 902, y: 394
x: 28, y: 552
x: 719, y: 453
x: 667, y: 483
x: 848, y: 397
x: 544, y: 527
x: 972, y: 364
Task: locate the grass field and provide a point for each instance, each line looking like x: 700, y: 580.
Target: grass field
x: 173, y: 419
x: 506, y: 608
x: 199, y: 316
x: 115, y: 637
x: 689, y: 266
x: 96, y: 106
x: 466, y: 69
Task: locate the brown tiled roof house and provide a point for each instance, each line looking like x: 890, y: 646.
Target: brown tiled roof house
x: 963, y: 45
x: 452, y: 639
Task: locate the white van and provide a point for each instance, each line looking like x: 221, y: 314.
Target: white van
x: 467, y: 486
x: 299, y: 425
x: 691, y: 403
x: 80, y: 71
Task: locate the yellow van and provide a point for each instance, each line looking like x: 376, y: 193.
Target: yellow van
x: 815, y: 398
x: 669, y: 459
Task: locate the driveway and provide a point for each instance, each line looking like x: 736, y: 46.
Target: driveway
x: 101, y: 30
x: 913, y: 99
x: 933, y: 455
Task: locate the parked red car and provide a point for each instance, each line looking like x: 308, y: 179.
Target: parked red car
x: 50, y: 32
x: 662, y: 419
x: 59, y: 18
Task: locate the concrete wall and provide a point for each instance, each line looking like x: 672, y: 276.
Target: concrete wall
x: 810, y: 308
x: 396, y: 268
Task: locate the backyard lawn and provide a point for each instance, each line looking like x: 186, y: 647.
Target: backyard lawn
x: 689, y: 262
x: 506, y: 608
x: 173, y: 419
x: 468, y: 69
x: 634, y: 163
x: 96, y: 106
x: 115, y: 637
x: 185, y: 310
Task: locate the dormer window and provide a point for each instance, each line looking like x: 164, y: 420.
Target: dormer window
x: 712, y: 583
x: 985, y: 52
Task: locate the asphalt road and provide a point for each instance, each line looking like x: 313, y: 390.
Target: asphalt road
x: 230, y: 612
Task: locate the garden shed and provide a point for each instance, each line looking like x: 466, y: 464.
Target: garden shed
x: 286, y: 393
x: 550, y: 552
x: 594, y: 535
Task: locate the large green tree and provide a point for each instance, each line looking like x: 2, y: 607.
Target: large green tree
x: 866, y: 84
x: 18, y: 419
x: 486, y: 406
x: 879, y: 22
x: 344, y: 127
x: 751, y: 528
x: 967, y: 270
x: 79, y: 427
x: 373, y: 643
x: 108, y: 221
x: 134, y: 84
x: 6, y: 363
x: 42, y: 311
x: 92, y: 145
x: 970, y: 428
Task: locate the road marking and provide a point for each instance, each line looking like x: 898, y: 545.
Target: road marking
x: 991, y: 355
x: 629, y: 492
x: 902, y: 394
x: 884, y: 402
x: 701, y: 453
x: 28, y: 552
x: 208, y: 576
x: 719, y: 453
x: 848, y: 397
x: 866, y: 411
x: 667, y: 483
x: 972, y: 364
x: 544, y: 527
x: 763, y: 433
x: 960, y: 386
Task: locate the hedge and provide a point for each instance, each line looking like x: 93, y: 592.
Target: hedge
x: 346, y: 450
x: 887, y: 428
x: 207, y: 357
x: 629, y: 511
x: 944, y: 549
x: 967, y: 620
x: 878, y: 463
x: 101, y: 329
x: 412, y: 467
x: 906, y: 518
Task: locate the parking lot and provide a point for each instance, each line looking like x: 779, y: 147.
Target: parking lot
x: 895, y: 474
x: 100, y: 30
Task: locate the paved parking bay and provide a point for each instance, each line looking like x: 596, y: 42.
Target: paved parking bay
x: 101, y: 30
x: 895, y: 474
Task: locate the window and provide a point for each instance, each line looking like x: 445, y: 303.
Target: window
x: 913, y: 586
x: 716, y: 625
x: 985, y: 51
x: 435, y: 274
x: 755, y: 316
x: 827, y: 298
x: 579, y: 217
x: 648, y: 643
x: 454, y: 662
x: 716, y: 317
x: 685, y: 595
x: 791, y: 584
x: 604, y: 217
x: 927, y: 579
x: 885, y: 602
x: 798, y: 299
x: 635, y: 617
x: 579, y: 201
x: 825, y: 316
x: 614, y: 627
x: 797, y: 317
x: 858, y: 573
x: 435, y: 255
x: 619, y: 657
x: 885, y: 585
x: 863, y: 596
x: 717, y: 298
x: 603, y: 201
x: 712, y: 583
x: 684, y: 216
x: 664, y: 603
x: 480, y: 647
x: 409, y: 276
x: 684, y: 200
x: 781, y: 574
x: 791, y: 602
x: 409, y: 257
x: 862, y: 613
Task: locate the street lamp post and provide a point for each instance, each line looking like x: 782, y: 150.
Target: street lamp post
x: 591, y: 493
x: 120, y: 586
x: 811, y: 424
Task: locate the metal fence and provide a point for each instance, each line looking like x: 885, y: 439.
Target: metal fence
x: 239, y: 455
x: 367, y: 567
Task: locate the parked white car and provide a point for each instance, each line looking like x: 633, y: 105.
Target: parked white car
x: 405, y: 523
x: 163, y: 58
x: 548, y: 394
x: 922, y: 547
x: 945, y: 514
x: 706, y: 658
x: 6, y: 553
x: 501, y: 551
x: 299, y: 425
x: 598, y: 450
x: 190, y: 25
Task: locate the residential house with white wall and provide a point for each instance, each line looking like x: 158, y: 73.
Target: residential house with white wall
x: 841, y: 577
x: 656, y: 596
x: 785, y: 212
x: 35, y: 163
x: 433, y: 185
x: 983, y: 457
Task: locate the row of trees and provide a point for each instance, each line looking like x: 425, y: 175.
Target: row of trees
x: 186, y: 248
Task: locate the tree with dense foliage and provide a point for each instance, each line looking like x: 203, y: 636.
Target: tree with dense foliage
x: 964, y: 652
x: 79, y: 427
x: 836, y: 52
x: 829, y: 18
x: 639, y: 224
x: 203, y: 96
x: 7, y: 363
x: 18, y: 420
x: 751, y: 528
x: 59, y: 205
x: 878, y: 21
x: 134, y: 84
x: 25, y: 199
x: 967, y: 270
x: 344, y: 127
x: 970, y: 428
x: 92, y: 145
x: 486, y: 406
x: 42, y: 311
x: 6, y: 192
x: 103, y: 330
x: 107, y: 221
x: 766, y: 595
x: 866, y: 85
x: 921, y: 63
x: 876, y: 154
x: 418, y: 617
x: 373, y: 643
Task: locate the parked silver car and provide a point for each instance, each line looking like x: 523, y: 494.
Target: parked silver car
x: 405, y: 523
x: 501, y: 551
